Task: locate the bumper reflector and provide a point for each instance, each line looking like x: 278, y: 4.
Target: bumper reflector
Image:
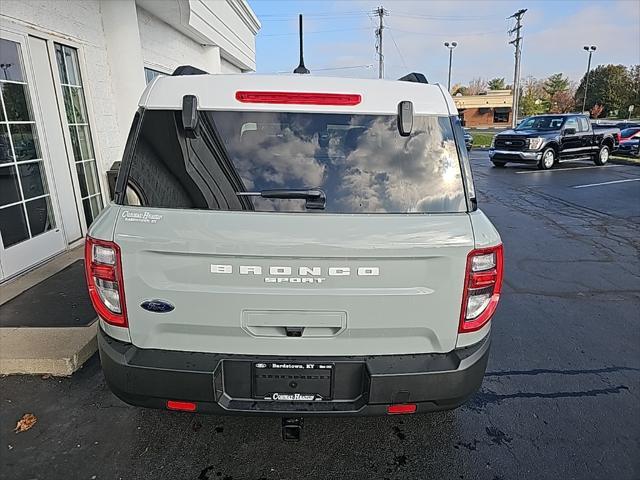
x: 181, y: 406
x: 401, y: 408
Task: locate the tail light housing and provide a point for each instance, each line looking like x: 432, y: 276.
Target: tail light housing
x: 482, y: 285
x: 103, y: 268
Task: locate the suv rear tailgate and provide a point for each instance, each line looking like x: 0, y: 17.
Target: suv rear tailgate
x: 369, y: 284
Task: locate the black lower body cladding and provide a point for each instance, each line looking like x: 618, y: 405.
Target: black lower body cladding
x: 226, y: 384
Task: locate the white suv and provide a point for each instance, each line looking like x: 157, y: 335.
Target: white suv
x: 294, y: 245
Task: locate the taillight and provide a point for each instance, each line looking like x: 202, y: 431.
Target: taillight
x: 299, y: 98
x: 482, y: 284
x: 103, y: 267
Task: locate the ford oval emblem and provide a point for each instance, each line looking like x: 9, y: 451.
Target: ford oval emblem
x: 157, y: 306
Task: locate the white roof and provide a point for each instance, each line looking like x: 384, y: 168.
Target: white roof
x: 218, y: 92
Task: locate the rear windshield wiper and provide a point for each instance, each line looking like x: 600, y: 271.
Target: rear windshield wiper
x: 315, y: 198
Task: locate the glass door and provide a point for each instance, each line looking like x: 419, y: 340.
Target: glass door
x: 29, y: 227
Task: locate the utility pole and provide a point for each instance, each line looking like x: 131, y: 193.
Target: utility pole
x: 589, y: 49
x: 517, y: 42
x: 380, y: 12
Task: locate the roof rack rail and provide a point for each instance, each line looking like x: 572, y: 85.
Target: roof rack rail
x: 414, y: 77
x: 187, y: 70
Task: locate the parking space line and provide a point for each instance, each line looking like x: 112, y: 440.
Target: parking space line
x: 607, y: 183
x: 571, y: 168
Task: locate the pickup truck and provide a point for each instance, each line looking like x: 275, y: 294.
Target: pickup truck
x: 545, y: 140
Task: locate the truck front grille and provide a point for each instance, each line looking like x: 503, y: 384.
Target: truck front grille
x: 510, y: 143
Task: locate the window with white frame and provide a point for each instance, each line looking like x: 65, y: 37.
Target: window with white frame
x: 79, y: 130
x: 25, y: 202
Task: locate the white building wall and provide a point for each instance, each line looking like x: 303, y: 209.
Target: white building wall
x: 79, y: 21
x: 164, y: 48
x: 228, y: 67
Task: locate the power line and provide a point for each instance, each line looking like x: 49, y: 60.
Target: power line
x: 464, y: 18
x: 312, y: 15
x: 315, y: 19
x: 315, y: 31
x: 350, y: 67
x: 517, y: 43
x: 463, y: 34
x: 398, y: 49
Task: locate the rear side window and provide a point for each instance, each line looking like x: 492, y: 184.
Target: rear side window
x: 584, y: 124
x: 360, y: 162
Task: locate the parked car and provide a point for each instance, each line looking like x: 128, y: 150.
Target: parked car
x: 261, y: 271
x: 468, y: 140
x: 545, y: 140
x: 629, y: 133
x: 630, y: 147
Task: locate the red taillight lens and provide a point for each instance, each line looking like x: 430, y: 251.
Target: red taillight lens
x: 300, y: 98
x: 181, y: 406
x: 103, y: 268
x: 482, y: 284
x: 401, y: 408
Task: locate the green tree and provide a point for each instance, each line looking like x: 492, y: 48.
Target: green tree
x: 496, y: 84
x: 634, y: 93
x: 530, y: 104
x: 609, y: 86
x: 556, y: 83
x: 533, y: 99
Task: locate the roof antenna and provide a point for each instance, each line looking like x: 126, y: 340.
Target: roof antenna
x: 301, y: 68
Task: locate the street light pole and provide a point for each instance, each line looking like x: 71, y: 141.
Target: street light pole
x: 590, y: 49
x: 450, y: 46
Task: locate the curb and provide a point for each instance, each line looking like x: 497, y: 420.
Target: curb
x: 41, y: 351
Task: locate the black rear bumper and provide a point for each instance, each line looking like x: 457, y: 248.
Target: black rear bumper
x: 222, y: 383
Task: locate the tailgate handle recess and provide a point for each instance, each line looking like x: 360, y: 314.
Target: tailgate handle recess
x: 293, y: 324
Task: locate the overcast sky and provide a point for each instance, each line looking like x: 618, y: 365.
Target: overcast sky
x: 341, y: 34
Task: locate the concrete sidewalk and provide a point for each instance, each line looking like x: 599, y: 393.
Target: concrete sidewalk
x: 54, y: 351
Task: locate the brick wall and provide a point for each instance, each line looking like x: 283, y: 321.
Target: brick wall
x: 482, y: 117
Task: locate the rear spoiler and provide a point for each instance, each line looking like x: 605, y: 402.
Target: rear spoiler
x: 414, y: 77
x: 187, y: 70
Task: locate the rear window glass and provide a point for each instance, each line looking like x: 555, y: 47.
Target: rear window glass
x: 360, y: 163
x: 627, y: 132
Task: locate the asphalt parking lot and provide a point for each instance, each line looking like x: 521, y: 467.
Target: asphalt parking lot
x: 561, y: 398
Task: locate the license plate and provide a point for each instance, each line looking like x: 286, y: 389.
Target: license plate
x: 292, y: 382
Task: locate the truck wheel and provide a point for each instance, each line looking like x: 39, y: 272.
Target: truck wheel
x: 603, y: 155
x: 548, y: 159
x: 499, y: 164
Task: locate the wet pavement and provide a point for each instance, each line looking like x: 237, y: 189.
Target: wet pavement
x: 561, y: 398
